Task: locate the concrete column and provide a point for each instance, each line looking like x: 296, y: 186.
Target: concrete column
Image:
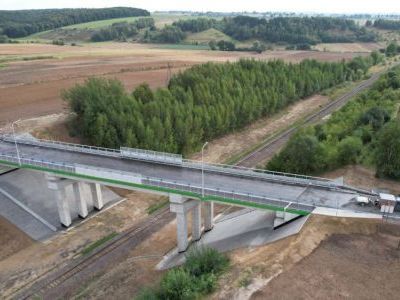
x: 82, y: 204
x: 208, y: 216
x: 63, y: 207
x: 196, y: 222
x: 97, y: 196
x: 58, y: 186
x: 181, y: 206
x: 182, y: 231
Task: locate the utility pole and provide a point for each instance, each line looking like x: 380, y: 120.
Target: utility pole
x: 15, y: 141
x: 202, y: 169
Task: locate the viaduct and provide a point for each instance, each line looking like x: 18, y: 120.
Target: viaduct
x: 190, y: 185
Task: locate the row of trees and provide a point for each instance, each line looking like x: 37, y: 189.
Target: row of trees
x: 20, y: 23
x: 387, y: 24
x: 201, y: 103
x: 121, y: 31
x: 366, y: 130
x: 292, y: 30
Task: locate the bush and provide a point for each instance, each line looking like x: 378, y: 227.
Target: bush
x: 177, y: 284
x: 348, y: 150
x: 303, y: 154
x: 197, y: 277
x: 388, y: 151
x: 201, y: 261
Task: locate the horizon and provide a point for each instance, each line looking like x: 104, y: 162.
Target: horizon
x: 384, y: 7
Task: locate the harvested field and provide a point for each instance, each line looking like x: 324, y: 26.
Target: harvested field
x: 32, y: 88
x: 349, y: 47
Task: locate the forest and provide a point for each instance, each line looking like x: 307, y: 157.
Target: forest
x: 121, y: 31
x: 365, y: 131
x: 199, y: 104
x: 20, y: 23
x: 291, y: 30
x: 387, y: 24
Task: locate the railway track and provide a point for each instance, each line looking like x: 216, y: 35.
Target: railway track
x: 273, y: 145
x: 128, y: 239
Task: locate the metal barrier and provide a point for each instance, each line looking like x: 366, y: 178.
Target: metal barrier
x: 38, y: 163
x: 62, y: 146
x: 176, y: 160
x: 151, y: 155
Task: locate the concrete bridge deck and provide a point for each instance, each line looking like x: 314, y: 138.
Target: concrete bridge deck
x: 248, y: 188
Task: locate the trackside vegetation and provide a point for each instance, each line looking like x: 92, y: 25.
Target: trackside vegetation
x: 366, y: 131
x: 197, y: 277
x: 199, y: 104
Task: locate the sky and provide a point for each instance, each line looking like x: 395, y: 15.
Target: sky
x: 318, y: 6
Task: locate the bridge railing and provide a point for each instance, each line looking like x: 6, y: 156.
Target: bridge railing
x: 173, y: 159
x: 62, y: 146
x: 150, y: 155
x: 38, y: 163
x: 232, y: 194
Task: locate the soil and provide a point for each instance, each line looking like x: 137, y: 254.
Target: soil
x: 33, y: 88
x: 363, y: 177
x: 357, y: 266
x: 36, y: 259
x: 12, y: 239
x: 327, y: 256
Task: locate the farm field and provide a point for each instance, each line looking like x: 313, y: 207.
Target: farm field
x: 34, y: 75
x: 349, y: 47
x: 83, y: 31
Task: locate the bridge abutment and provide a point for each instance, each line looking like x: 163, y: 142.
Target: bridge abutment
x: 282, y: 217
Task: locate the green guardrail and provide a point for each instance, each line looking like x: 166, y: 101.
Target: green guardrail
x: 159, y: 189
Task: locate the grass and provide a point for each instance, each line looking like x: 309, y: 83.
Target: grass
x: 98, y: 243
x: 181, y: 46
x: 206, y: 36
x: 22, y: 58
x: 157, y: 206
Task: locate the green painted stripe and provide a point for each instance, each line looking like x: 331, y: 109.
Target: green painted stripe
x: 160, y: 189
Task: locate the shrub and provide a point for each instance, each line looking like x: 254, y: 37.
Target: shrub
x: 204, y: 260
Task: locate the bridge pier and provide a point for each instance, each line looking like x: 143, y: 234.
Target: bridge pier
x: 97, y: 196
x: 81, y: 199
x: 182, y: 206
x: 58, y: 186
x: 208, y: 216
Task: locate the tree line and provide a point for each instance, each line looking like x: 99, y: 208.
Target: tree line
x: 386, y: 24
x: 20, y: 23
x: 121, y: 31
x: 292, y: 30
x: 366, y: 131
x: 199, y: 104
